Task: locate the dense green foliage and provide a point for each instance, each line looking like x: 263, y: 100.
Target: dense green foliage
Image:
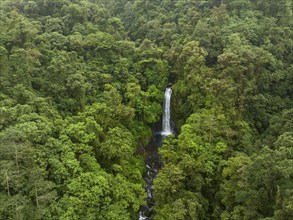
x: 81, y: 84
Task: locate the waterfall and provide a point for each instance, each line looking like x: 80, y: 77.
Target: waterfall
x: 153, y: 160
x: 166, y: 125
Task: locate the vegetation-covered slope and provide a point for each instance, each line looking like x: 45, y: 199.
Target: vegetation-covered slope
x: 81, y: 84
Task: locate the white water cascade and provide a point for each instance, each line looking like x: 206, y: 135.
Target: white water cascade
x: 153, y: 160
x: 166, y: 125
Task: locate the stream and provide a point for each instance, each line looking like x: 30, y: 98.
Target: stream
x: 153, y: 160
